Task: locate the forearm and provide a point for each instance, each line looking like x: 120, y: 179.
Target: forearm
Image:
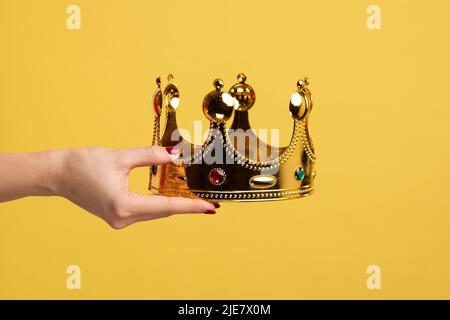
x: 29, y: 174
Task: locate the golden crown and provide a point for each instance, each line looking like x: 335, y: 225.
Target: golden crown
x: 233, y: 163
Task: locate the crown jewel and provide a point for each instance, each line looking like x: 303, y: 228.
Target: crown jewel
x: 233, y: 163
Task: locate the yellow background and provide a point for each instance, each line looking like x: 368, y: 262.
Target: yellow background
x: 380, y: 123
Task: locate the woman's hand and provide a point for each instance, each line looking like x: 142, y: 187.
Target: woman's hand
x: 96, y: 179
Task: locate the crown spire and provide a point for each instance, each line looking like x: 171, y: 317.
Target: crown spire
x: 218, y: 105
x: 300, y: 104
x: 243, y: 93
x: 171, y: 94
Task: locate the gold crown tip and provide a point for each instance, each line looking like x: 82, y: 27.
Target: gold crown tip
x: 303, y: 82
x: 170, y: 77
x: 158, y: 82
x: 241, y: 77
x: 218, y: 84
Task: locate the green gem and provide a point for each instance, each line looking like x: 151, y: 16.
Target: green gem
x: 299, y: 174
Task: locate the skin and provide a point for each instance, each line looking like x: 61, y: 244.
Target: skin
x: 95, y: 179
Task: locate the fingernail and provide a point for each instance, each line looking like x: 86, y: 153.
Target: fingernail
x: 210, y: 212
x: 216, y: 205
x: 173, y: 150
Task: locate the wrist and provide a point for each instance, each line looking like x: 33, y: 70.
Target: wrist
x: 54, y: 163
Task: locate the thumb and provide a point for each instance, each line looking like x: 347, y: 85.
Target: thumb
x: 144, y: 156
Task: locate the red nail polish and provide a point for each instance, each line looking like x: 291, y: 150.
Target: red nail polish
x: 210, y: 211
x: 172, y: 150
x: 216, y: 205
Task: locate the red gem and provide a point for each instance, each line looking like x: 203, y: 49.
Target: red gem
x: 157, y: 104
x: 217, y: 176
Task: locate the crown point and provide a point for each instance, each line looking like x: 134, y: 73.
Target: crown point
x: 303, y: 83
x: 241, y: 77
x: 171, y: 95
x: 243, y: 93
x: 218, y: 84
x: 218, y: 105
x: 158, y: 82
x: 300, y: 104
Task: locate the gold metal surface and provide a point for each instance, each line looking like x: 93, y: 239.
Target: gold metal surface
x: 218, y: 106
x: 249, y: 173
x: 262, y: 181
x: 243, y: 93
x: 301, y: 102
x: 171, y: 94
